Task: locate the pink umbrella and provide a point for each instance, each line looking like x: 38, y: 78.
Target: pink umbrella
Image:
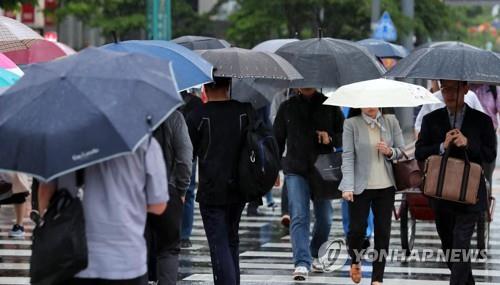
x: 38, y: 51
x: 9, y: 65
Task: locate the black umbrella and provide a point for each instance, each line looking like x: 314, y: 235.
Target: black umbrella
x: 244, y: 63
x: 383, y: 49
x: 327, y: 62
x: 260, y: 92
x: 451, y: 61
x: 83, y: 109
x: 198, y: 42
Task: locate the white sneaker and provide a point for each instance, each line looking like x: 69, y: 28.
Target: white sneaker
x: 300, y: 273
x: 17, y: 231
x: 317, y: 267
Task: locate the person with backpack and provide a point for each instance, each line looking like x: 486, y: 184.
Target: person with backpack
x: 218, y: 130
x: 307, y: 128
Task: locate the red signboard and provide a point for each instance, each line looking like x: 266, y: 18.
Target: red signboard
x: 50, y: 7
x: 28, y: 14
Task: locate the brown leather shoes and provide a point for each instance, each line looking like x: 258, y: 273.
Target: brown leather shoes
x: 355, y: 273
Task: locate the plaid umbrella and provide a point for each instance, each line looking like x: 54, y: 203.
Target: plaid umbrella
x: 16, y: 36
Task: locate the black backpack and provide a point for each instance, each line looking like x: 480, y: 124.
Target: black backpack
x: 259, y: 163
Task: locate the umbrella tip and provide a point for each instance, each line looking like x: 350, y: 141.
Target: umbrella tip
x: 115, y: 38
x: 149, y: 121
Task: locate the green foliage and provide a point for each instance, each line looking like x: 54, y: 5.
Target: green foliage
x: 259, y: 20
x: 128, y: 17
x: 11, y: 5
x: 186, y: 21
x: 125, y: 17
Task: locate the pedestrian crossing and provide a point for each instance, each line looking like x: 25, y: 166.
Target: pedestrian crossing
x: 266, y: 255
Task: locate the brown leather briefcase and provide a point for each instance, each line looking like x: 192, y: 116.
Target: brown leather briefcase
x: 452, y: 179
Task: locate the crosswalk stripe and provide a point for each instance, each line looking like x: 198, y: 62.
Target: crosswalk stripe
x: 14, y: 280
x: 268, y: 279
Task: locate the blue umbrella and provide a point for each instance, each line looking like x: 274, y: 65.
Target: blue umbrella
x: 86, y: 108
x: 383, y: 49
x: 190, y: 69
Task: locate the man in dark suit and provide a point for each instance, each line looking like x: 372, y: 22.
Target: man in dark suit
x: 463, y: 129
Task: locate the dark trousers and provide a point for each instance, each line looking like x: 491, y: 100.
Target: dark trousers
x: 163, y: 236
x: 455, y: 231
x: 382, y: 203
x: 221, y: 227
x: 284, y: 200
x: 142, y: 280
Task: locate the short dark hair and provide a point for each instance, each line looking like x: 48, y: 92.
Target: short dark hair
x: 460, y: 83
x: 219, y: 83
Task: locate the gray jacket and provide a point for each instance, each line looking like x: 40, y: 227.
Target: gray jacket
x: 174, y: 140
x: 356, y: 159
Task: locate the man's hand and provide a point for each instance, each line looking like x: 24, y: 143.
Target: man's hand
x: 460, y: 140
x: 277, y: 183
x: 348, y: 196
x: 456, y: 137
x: 323, y: 137
x: 450, y: 137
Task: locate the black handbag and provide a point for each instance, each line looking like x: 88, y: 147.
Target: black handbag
x: 328, y: 166
x: 326, y: 175
x: 59, y: 249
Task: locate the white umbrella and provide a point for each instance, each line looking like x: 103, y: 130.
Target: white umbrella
x: 380, y: 93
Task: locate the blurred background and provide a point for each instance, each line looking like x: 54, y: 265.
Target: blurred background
x: 245, y: 23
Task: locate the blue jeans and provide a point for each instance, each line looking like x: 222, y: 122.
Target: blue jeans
x: 269, y: 198
x: 346, y: 220
x: 299, y: 196
x: 188, y: 212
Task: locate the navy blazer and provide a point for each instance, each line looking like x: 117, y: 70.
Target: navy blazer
x: 477, y: 127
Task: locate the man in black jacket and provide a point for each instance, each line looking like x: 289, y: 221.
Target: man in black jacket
x: 307, y: 128
x: 472, y: 133
x: 217, y: 131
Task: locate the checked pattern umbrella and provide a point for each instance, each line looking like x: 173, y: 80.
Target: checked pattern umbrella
x: 14, y: 35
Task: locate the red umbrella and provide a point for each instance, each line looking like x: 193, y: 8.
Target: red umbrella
x: 38, y: 51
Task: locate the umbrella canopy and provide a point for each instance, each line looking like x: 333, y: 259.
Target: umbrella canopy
x: 260, y: 92
x: 380, y: 93
x: 9, y: 65
x: 7, y: 78
x: 38, y: 51
x: 83, y: 109
x: 383, y: 49
x: 273, y: 45
x: 199, y: 43
x: 190, y: 68
x: 327, y: 62
x: 452, y: 61
x: 14, y: 35
x: 244, y: 63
